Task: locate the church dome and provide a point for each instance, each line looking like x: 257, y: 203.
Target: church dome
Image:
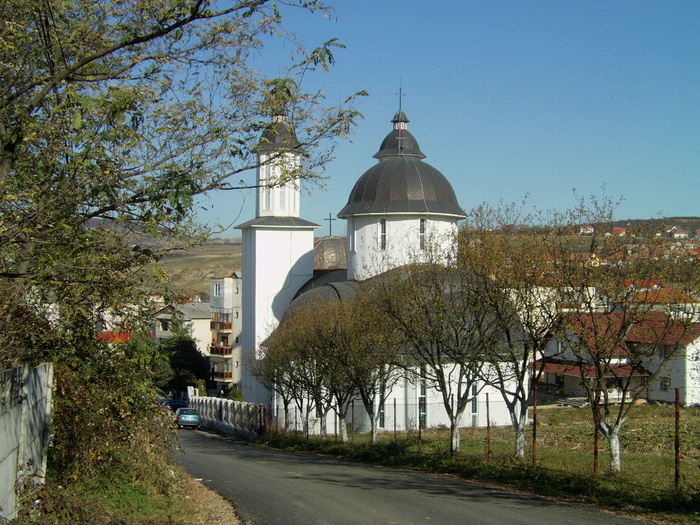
x: 401, y: 182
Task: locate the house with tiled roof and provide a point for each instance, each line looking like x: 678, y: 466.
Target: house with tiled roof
x: 672, y: 351
x: 649, y: 356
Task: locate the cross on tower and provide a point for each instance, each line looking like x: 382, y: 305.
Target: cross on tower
x: 330, y: 220
x: 400, y: 94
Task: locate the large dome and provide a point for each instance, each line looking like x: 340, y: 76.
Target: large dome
x: 401, y: 182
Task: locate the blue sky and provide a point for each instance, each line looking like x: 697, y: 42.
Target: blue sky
x: 512, y: 98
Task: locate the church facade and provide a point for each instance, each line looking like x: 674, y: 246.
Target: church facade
x: 397, y: 210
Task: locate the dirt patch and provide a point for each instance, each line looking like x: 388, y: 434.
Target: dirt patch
x: 211, y: 508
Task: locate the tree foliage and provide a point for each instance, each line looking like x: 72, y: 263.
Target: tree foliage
x: 114, y: 117
x: 183, y: 364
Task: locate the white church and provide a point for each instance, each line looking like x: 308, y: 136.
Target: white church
x: 395, y: 207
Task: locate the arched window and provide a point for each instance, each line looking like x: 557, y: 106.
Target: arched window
x: 422, y: 234
x: 351, y: 234
x: 382, y: 234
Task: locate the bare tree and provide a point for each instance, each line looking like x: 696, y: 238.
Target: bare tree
x: 444, y: 331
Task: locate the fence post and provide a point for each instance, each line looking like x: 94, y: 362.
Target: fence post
x: 420, y: 426
x: 677, y: 474
x: 352, y: 427
x: 488, y: 429
x: 394, y: 421
x: 534, y: 428
x: 596, y: 423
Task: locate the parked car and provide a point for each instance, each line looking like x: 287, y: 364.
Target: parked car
x: 187, y: 417
x: 172, y: 404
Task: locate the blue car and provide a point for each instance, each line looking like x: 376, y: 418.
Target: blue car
x: 187, y: 417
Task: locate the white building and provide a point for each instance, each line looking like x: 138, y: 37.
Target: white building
x: 278, y: 246
x: 652, y: 357
x: 194, y: 317
x: 226, y: 325
x: 397, y: 210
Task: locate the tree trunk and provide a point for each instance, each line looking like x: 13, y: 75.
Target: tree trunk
x: 323, y: 420
x: 612, y: 434
x: 374, y: 429
x: 287, y: 422
x: 454, y: 435
x: 518, y: 422
x: 343, y: 429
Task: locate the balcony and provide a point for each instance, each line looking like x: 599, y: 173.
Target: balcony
x: 220, y: 326
x: 223, y: 376
x: 220, y: 350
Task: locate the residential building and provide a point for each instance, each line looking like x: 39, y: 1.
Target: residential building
x: 192, y: 316
x: 225, y: 326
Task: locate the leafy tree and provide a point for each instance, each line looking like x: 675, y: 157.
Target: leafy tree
x: 502, y: 246
x: 371, y: 351
x: 444, y: 329
x: 186, y: 364
x: 605, y: 311
x: 114, y: 118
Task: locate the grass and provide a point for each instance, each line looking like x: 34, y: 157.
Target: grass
x: 115, y: 500
x: 564, y: 459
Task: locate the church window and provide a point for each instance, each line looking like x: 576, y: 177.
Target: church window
x: 217, y: 289
x: 422, y: 234
x: 266, y: 198
x: 382, y: 234
x: 422, y: 399
x: 283, y: 197
x: 351, y: 234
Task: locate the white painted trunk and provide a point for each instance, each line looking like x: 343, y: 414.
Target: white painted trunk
x: 519, y: 451
x: 454, y: 436
x: 518, y: 421
x: 612, y: 434
x: 343, y: 430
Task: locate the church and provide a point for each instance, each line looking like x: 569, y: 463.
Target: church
x: 394, y: 210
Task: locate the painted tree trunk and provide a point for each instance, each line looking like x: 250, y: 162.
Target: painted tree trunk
x: 612, y: 434
x: 518, y: 423
x: 454, y: 435
x: 343, y: 427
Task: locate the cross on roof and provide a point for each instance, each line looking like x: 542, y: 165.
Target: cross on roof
x: 400, y: 94
x: 330, y: 220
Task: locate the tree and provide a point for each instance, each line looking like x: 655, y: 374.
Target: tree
x: 186, y: 364
x: 371, y: 352
x: 502, y: 246
x: 444, y: 330
x: 604, y: 311
x: 114, y: 118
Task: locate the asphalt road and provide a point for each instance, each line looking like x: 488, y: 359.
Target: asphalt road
x: 270, y: 487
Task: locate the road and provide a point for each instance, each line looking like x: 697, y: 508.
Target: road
x: 271, y: 487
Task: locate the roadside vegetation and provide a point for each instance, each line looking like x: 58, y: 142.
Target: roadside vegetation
x: 116, y: 120
x: 564, y: 459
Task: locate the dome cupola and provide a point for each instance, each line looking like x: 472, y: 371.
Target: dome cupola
x: 401, y: 182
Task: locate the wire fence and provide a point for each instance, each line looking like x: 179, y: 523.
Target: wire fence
x: 659, y: 443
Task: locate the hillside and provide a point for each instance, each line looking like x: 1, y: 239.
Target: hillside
x: 190, y: 271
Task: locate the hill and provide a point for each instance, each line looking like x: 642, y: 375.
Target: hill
x: 190, y: 270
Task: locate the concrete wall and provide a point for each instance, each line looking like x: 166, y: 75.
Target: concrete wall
x: 25, y: 414
x: 228, y: 417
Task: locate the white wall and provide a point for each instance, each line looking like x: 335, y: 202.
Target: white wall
x: 402, y: 242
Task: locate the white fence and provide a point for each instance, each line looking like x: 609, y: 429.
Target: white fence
x: 229, y: 417
x: 25, y: 414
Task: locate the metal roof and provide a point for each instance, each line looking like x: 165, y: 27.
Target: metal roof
x: 278, y: 222
x: 278, y: 136
x: 401, y: 182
